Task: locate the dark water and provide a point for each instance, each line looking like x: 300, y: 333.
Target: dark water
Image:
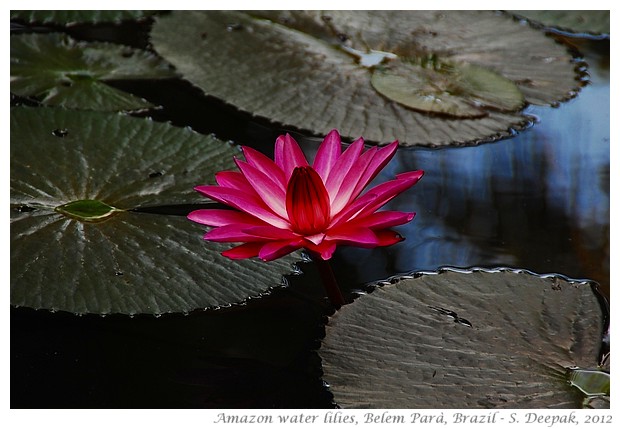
x: 538, y: 201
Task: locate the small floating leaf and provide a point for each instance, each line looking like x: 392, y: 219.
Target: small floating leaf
x: 459, y: 90
x: 77, y: 246
x: 64, y: 72
x: 488, y: 87
x: 590, y: 382
x: 78, y: 16
x: 87, y: 210
x: 313, y: 69
x: 406, y: 344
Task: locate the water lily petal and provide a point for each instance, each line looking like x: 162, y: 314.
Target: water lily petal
x: 342, y: 167
x: 345, y: 193
x: 411, y: 175
x: 316, y: 238
x: 271, y: 232
x: 384, y: 219
x: 388, y: 190
x: 245, y: 202
x: 221, y: 217
x: 387, y: 237
x: 353, y: 209
x: 379, y: 160
x: 265, y: 165
x: 307, y: 202
x: 328, y: 154
x: 233, y: 180
x: 276, y: 249
x: 325, y: 250
x: 266, y: 188
x: 235, y: 233
x: 289, y: 155
x: 366, y: 168
x: 358, y: 235
x: 244, y: 251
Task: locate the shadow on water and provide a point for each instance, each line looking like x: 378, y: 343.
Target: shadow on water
x: 256, y: 355
x: 538, y: 201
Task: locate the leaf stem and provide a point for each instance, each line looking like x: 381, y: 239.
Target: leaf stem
x: 329, y: 280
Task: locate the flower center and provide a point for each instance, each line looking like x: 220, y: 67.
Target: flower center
x: 307, y: 202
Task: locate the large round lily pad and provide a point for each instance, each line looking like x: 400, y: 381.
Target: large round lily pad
x: 69, y: 17
x: 315, y: 70
x: 75, y: 245
x: 61, y: 71
x: 481, y: 339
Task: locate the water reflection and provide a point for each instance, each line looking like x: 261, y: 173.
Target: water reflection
x: 538, y: 201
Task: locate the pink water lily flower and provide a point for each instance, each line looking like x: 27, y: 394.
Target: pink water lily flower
x: 286, y: 204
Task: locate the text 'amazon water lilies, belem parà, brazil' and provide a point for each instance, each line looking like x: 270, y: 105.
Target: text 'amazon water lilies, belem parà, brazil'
x: 286, y: 204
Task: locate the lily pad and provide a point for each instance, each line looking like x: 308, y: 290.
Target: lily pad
x: 68, y: 17
x: 62, y: 71
x: 460, y: 90
x: 464, y: 339
x: 87, y: 210
x: 591, y: 382
x: 314, y: 70
x: 76, y: 244
x: 578, y: 22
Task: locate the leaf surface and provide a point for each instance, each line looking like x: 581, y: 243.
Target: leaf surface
x: 481, y: 339
x: 76, y: 244
x: 314, y: 70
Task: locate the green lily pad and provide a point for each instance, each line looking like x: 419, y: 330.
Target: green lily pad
x: 77, y: 246
x: 64, y: 72
x: 87, y: 210
x: 460, y: 339
x: 67, y: 17
x: 314, y: 70
x: 594, y: 22
x: 592, y: 382
x: 460, y: 90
